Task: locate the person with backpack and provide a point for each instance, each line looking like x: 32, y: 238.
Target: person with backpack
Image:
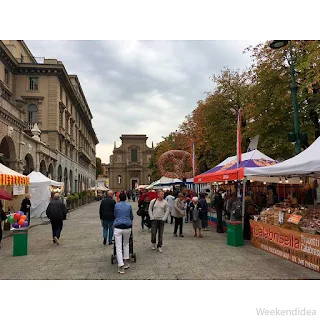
x: 158, y: 212
x: 143, y: 212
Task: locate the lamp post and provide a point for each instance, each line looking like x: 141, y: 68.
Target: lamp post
x: 277, y: 44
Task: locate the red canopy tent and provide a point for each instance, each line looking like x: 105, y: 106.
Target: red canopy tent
x: 228, y: 170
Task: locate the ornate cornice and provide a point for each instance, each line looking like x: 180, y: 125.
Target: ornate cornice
x: 11, y: 118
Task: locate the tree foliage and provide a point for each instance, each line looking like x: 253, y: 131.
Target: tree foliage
x: 99, y: 170
x: 263, y: 91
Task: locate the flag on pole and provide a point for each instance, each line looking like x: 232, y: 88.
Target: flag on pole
x: 239, y: 149
x: 253, y: 143
x: 192, y: 157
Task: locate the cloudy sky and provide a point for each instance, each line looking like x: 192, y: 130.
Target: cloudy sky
x: 142, y: 87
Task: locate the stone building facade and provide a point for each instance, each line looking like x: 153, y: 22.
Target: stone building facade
x: 45, y: 120
x: 129, y: 164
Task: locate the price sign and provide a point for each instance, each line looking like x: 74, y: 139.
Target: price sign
x: 294, y: 218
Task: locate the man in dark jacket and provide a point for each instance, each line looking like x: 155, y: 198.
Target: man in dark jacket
x: 107, y: 216
x: 218, y: 203
x: 204, y: 205
x: 25, y: 207
x: 56, y: 212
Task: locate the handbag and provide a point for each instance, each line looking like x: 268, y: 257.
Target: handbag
x: 140, y: 212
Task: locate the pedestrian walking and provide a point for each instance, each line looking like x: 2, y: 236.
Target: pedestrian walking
x: 219, y: 204
x: 56, y: 212
x: 106, y: 213
x: 133, y: 196
x: 195, y: 208
x: 204, y: 206
x: 25, y: 207
x: 170, y: 199
x: 178, y: 213
x: 158, y: 212
x: 122, y: 230
x: 144, y: 213
x: 129, y: 195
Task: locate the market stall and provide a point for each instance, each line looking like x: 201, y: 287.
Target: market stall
x: 288, y: 229
x: 41, y: 188
x: 14, y: 183
x: 228, y: 173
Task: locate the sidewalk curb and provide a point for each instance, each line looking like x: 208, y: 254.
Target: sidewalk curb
x: 43, y: 223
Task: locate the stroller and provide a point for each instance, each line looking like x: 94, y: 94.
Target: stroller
x: 132, y: 255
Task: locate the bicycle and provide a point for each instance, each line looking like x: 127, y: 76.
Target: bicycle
x: 44, y: 217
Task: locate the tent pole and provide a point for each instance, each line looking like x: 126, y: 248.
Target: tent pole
x: 244, y: 181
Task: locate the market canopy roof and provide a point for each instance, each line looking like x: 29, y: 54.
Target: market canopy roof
x: 9, y: 177
x: 164, y: 181
x: 37, y: 178
x: 305, y: 163
x: 227, y: 169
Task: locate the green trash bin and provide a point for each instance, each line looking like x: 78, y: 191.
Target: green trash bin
x: 20, y: 242
x: 234, y: 234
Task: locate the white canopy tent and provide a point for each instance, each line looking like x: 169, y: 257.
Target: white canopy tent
x: 306, y: 163
x: 40, y: 192
x: 164, y: 181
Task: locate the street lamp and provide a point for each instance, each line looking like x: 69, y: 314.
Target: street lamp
x: 277, y: 44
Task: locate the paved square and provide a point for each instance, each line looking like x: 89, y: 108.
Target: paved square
x: 81, y: 255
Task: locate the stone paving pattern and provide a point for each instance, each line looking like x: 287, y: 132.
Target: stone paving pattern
x: 81, y: 255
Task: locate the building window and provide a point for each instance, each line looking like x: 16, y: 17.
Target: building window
x: 32, y: 114
x: 6, y: 77
x: 134, y: 155
x: 71, y: 130
x: 61, y: 118
x: 67, y: 123
x: 33, y: 83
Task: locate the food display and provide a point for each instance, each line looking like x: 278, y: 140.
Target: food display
x: 297, y: 219
x: 311, y: 222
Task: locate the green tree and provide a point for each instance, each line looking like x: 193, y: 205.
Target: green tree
x: 98, y: 167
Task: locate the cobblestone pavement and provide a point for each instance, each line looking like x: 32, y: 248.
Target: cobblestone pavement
x: 81, y: 255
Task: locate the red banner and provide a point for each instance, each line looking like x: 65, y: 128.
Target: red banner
x: 298, y: 247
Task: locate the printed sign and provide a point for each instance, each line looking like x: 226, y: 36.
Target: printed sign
x: 18, y: 190
x: 298, y: 247
x: 294, y: 218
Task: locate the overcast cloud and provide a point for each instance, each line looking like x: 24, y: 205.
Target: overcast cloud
x: 142, y: 87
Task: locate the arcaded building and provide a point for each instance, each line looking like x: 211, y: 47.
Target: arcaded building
x: 45, y: 121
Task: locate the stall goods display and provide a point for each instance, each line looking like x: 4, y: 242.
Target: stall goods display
x: 311, y: 222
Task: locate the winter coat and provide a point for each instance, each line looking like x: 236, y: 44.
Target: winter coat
x: 107, y: 209
x: 56, y: 210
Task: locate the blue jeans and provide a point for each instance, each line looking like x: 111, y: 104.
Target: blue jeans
x: 107, y: 228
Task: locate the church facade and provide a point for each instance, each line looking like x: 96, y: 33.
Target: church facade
x: 129, y: 164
